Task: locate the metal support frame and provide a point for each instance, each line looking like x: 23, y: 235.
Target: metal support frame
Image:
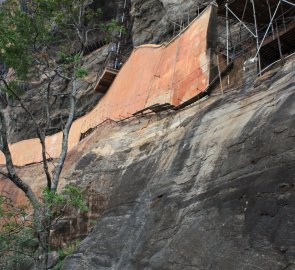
x: 289, y: 3
x: 284, y: 22
x: 270, y: 16
x: 271, y: 28
x: 280, y: 45
x: 241, y: 24
x: 227, y: 34
x: 219, y: 74
x: 265, y: 35
x: 257, y: 38
x: 123, y: 18
x: 228, y: 9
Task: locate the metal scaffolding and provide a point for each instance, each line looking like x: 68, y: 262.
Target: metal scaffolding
x: 269, y: 24
x: 261, y: 19
x: 118, y: 50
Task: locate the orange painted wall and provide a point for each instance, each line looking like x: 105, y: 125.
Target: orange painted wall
x: 168, y: 73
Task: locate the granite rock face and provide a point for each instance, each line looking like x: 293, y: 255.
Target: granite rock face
x: 210, y: 187
x: 152, y: 19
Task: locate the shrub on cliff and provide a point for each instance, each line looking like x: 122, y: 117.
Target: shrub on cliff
x: 18, y: 239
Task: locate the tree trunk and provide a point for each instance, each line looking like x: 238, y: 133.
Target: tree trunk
x: 42, y: 252
x: 43, y: 231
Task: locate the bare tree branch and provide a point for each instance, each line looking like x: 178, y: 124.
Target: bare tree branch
x: 65, y: 140
x: 12, y: 175
x: 61, y: 75
x: 47, y: 102
x: 2, y: 173
x: 40, y: 134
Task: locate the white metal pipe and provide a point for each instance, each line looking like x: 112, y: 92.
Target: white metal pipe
x: 227, y: 35
x: 257, y: 38
x: 279, y: 44
x: 244, y: 11
x: 289, y: 3
x: 283, y: 17
x: 227, y: 8
x: 270, y: 16
x: 259, y: 48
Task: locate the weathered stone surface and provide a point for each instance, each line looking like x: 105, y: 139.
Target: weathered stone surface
x: 209, y: 188
x: 53, y: 259
x: 152, y: 19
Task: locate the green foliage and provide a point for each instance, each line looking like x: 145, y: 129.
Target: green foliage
x: 45, y: 30
x: 17, y: 249
x: 18, y: 241
x: 11, y: 215
x: 16, y: 86
x: 93, y: 222
x: 112, y: 26
x: 48, y: 37
x: 68, y: 59
x: 68, y: 250
x: 23, y: 35
x: 75, y: 197
x: 64, y: 252
x: 58, y: 266
x: 70, y: 196
x: 80, y: 72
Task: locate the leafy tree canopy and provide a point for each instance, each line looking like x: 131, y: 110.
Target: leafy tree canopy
x: 34, y: 35
x: 42, y: 39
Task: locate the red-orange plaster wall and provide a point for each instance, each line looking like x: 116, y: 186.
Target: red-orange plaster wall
x: 168, y: 73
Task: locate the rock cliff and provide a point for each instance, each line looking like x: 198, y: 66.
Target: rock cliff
x: 209, y: 187
x: 153, y: 19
